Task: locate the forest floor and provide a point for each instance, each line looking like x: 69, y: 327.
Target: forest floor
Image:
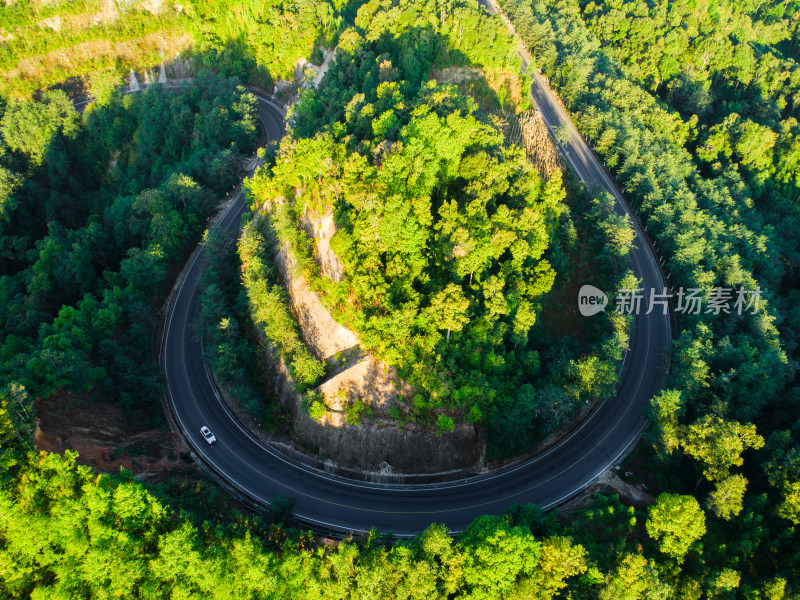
x: 634, y: 494
x: 107, y: 439
x: 631, y: 494
x: 560, y: 316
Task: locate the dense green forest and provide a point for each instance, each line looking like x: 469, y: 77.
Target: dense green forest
x: 66, y: 532
x: 707, y: 157
x: 694, y: 108
x: 444, y: 230
x: 97, y: 208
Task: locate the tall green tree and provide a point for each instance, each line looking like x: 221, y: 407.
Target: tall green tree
x: 718, y: 444
x: 675, y: 522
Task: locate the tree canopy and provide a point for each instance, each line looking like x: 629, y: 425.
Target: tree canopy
x: 443, y: 228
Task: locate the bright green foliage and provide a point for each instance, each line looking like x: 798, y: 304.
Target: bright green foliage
x: 231, y: 356
x: 448, y: 309
x: 685, y: 45
x: 317, y: 410
x: 269, y: 307
x: 29, y: 127
x: 104, y: 85
x: 354, y: 411
x: 617, y: 228
x: 633, y: 579
x: 708, y: 226
x: 718, y: 444
x: 789, y: 508
x: 444, y: 424
x: 500, y: 561
x: 723, y: 584
x: 70, y: 533
x: 675, y: 523
x: 665, y: 408
x: 774, y: 590
x: 693, y: 106
x: 726, y: 499
x: 306, y: 369
x: 262, y: 41
x: 559, y: 560
x: 67, y: 532
x: 471, y: 33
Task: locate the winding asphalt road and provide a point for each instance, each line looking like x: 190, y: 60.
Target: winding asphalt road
x: 258, y: 473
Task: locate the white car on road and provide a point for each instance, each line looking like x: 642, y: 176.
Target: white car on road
x: 207, y: 435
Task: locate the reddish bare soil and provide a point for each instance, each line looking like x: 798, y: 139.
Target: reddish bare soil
x: 106, y: 440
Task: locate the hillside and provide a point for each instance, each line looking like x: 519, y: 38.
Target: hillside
x: 416, y: 221
x: 84, y: 46
x: 444, y: 232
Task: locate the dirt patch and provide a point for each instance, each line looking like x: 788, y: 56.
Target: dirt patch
x: 638, y: 469
x: 609, y: 481
x: 370, y: 381
x: 53, y: 23
x: 631, y: 494
x: 154, y: 7
x: 509, y: 85
x: 106, y: 440
x: 323, y: 335
x: 322, y: 229
x: 455, y: 74
x: 390, y: 450
x: 94, y: 55
x: 106, y: 13
x: 538, y: 144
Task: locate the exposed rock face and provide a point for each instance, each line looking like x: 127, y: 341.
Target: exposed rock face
x: 378, y: 442
x: 322, y: 229
x: 375, y: 447
x: 323, y: 335
x: 106, y: 440
x: 369, y: 380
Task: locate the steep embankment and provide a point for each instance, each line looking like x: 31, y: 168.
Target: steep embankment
x: 361, y: 392
x: 107, y: 440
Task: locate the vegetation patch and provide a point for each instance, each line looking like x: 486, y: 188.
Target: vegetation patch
x: 692, y: 105
x: 445, y: 231
x: 47, y: 44
x: 96, y: 209
x: 694, y: 109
